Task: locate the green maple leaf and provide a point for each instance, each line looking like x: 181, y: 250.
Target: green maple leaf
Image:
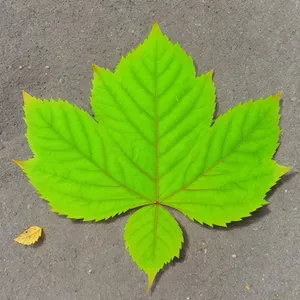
x: 152, y: 145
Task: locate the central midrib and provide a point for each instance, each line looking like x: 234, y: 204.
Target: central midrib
x: 156, y: 129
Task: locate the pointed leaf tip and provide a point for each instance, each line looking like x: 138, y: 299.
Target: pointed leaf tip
x: 210, y: 73
x: 20, y: 163
x: 286, y: 169
x: 155, y: 23
x: 278, y: 95
x: 96, y: 69
x: 27, y: 98
x: 151, y: 277
x: 155, y: 28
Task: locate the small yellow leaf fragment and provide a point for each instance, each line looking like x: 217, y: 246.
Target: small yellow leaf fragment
x: 247, y: 287
x: 29, y: 236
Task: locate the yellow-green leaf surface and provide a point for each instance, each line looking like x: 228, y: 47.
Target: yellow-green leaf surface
x: 159, y: 239
x: 152, y: 143
x: 229, y: 171
x: 76, y: 167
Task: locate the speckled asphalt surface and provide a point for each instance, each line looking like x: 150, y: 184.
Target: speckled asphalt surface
x: 46, y: 48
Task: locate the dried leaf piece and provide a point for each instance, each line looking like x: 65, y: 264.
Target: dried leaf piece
x: 29, y: 236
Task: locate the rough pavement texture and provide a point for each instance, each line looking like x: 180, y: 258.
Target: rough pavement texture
x: 46, y: 48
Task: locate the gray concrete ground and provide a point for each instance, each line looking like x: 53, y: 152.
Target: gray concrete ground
x: 46, y: 48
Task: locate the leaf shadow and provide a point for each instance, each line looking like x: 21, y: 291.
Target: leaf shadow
x: 281, y: 182
x: 259, y: 213
x: 196, y: 67
x: 176, y: 260
x: 254, y: 218
x: 108, y: 221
